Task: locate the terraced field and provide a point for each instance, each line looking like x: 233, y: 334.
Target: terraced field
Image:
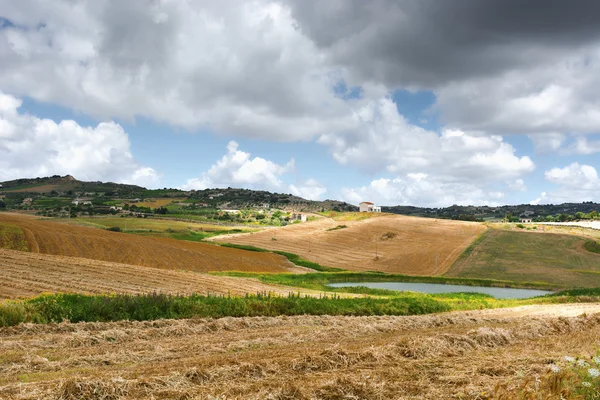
x: 49, y: 237
x: 388, y: 243
x: 493, y: 354
x: 29, y: 274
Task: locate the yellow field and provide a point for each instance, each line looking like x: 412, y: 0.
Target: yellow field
x: 472, y: 355
x: 384, y: 242
x: 29, y: 274
x: 49, y: 237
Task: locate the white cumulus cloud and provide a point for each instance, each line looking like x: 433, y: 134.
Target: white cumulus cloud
x: 35, y: 147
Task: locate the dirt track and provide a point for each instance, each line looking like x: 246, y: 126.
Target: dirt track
x: 408, y: 245
x: 422, y: 357
x: 53, y: 238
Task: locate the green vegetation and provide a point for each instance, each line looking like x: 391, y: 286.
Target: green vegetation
x: 558, y: 260
x: 104, y: 308
x: 319, y: 281
x: 294, y: 258
x: 338, y: 227
x: 592, y: 245
x: 77, y: 307
x: 12, y: 237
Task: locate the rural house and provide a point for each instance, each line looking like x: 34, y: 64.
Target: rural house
x: 367, y: 206
x: 526, y: 220
x: 299, y: 217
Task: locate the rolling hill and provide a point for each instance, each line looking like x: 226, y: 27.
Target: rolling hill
x: 49, y: 237
x: 382, y: 242
x: 27, y: 274
x: 527, y: 256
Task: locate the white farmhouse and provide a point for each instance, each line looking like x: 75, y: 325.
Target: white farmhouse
x: 367, y: 206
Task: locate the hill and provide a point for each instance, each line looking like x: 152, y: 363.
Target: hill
x: 531, y: 257
x: 381, y: 242
x: 49, y: 237
x: 28, y: 274
x: 563, y: 212
x: 53, y: 191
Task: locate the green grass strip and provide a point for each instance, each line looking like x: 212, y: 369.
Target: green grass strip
x: 97, y: 308
x: 294, y: 258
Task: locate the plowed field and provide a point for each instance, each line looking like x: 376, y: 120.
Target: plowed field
x: 28, y: 274
x: 388, y: 243
x: 49, y: 237
x: 447, y: 356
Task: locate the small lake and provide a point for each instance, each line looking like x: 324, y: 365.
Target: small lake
x: 431, y: 288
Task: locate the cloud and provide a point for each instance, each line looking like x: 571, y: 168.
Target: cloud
x: 428, y: 43
x: 575, y: 183
x: 309, y: 189
x: 517, y: 186
x: 420, y: 190
x: 385, y: 141
x: 34, y: 147
x: 539, y: 200
x: 238, y: 68
x: 238, y: 168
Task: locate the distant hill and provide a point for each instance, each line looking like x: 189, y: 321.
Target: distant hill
x: 473, y: 213
x: 65, y: 184
x: 68, y: 187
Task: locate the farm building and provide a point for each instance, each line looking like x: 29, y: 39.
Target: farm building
x: 526, y: 220
x: 367, y: 206
x: 28, y: 200
x: 299, y: 217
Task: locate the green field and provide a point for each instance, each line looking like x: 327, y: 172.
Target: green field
x: 530, y: 257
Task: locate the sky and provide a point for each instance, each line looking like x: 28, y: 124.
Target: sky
x: 399, y: 102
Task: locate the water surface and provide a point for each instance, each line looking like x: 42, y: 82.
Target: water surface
x: 499, y: 293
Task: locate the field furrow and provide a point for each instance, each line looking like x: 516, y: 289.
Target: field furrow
x: 53, y: 238
x: 29, y: 274
x: 388, y: 243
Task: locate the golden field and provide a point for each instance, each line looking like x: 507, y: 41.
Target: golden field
x: 468, y: 355
x: 29, y: 274
x: 48, y: 237
x: 385, y: 242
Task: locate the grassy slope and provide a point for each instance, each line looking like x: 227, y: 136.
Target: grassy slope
x: 527, y: 256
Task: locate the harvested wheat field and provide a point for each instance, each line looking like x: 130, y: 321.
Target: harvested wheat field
x: 406, y: 245
x: 29, y: 274
x: 457, y: 355
x: 49, y: 237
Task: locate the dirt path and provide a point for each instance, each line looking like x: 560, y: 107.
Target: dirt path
x: 452, y: 355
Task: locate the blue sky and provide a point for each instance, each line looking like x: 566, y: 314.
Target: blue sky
x: 302, y: 98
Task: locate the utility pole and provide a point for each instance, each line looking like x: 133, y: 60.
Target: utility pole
x: 436, y: 262
x: 309, y: 243
x: 376, y: 252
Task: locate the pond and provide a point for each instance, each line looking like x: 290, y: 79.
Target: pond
x: 499, y: 293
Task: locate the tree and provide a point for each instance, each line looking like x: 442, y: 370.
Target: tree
x: 2, y: 204
x: 579, y: 215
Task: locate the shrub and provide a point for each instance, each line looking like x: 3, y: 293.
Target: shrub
x: 114, y: 229
x: 520, y: 226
